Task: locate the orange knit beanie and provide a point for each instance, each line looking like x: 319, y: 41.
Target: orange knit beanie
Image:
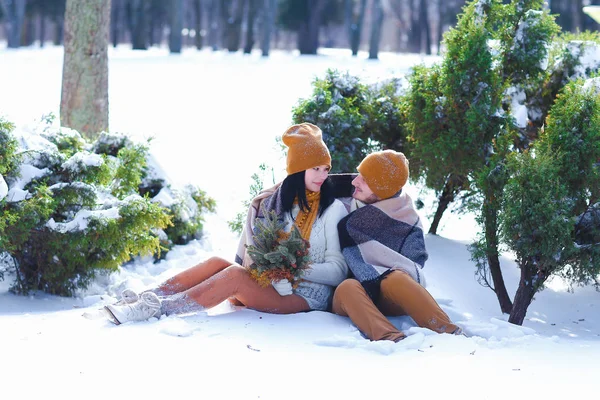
x: 306, y: 148
x: 386, y: 172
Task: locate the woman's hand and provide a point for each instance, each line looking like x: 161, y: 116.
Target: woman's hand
x: 283, y: 287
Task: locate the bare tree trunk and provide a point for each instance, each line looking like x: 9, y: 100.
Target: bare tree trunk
x: 176, y: 25
x: 377, y: 21
x: 28, y: 32
x: 491, y: 238
x: 250, y: 19
x: 453, y: 186
x: 59, y: 29
x: 523, y: 297
x: 577, y: 15
x: 424, y: 26
x: 354, y: 24
x: 115, y: 14
x: 14, y: 22
x: 308, y: 34
x: 84, y: 97
x: 197, y: 6
x: 138, y: 24
x: 414, y: 36
x: 268, y: 22
x: 42, y: 29
x: 214, y: 18
x: 442, y: 10
x: 232, y: 21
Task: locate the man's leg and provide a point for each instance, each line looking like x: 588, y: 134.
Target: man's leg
x: 351, y: 300
x: 236, y: 282
x: 401, y: 295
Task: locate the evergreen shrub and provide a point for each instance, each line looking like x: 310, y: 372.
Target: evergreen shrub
x: 76, y: 209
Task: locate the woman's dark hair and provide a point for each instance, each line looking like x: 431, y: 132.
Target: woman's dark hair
x: 293, y: 186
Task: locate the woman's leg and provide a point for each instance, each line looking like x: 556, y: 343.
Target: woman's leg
x: 192, y: 276
x: 233, y: 281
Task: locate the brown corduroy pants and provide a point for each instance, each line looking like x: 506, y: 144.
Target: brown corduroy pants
x: 400, y: 295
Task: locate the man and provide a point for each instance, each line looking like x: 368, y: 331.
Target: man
x: 383, y: 243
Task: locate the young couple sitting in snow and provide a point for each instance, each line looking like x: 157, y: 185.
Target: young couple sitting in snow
x: 367, y: 251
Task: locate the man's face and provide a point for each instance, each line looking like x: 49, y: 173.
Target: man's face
x: 362, y: 191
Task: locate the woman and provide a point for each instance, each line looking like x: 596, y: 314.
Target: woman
x: 305, y: 199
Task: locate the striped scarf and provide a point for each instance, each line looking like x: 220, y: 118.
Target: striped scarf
x: 382, y: 237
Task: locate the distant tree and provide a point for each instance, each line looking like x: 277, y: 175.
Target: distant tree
x: 268, y: 21
x: 117, y: 11
x: 138, y: 23
x: 376, y: 23
x: 355, y: 15
x: 232, y: 12
x: 15, y: 16
x: 251, y: 12
x: 198, y: 15
x: 214, y: 29
x: 158, y: 20
x: 305, y: 17
x: 176, y: 25
x: 84, y: 97
x: 57, y: 15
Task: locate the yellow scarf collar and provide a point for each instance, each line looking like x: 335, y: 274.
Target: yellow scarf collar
x: 306, y: 219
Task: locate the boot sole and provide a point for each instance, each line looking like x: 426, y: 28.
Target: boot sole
x: 111, y: 316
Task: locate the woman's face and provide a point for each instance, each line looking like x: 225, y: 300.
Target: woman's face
x: 314, y: 177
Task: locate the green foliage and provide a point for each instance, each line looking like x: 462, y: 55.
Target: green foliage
x: 88, y: 168
x: 454, y: 110
x: 535, y: 221
x: 68, y: 141
x: 573, y: 129
x: 386, y: 115
x: 129, y: 173
x: 236, y: 225
x: 9, y: 159
x: 82, y: 214
x: 187, y: 215
x: 552, y: 192
x: 355, y: 118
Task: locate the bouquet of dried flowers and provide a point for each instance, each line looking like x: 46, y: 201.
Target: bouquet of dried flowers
x: 277, y: 255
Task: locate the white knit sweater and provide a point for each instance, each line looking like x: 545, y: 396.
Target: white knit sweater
x: 328, y: 264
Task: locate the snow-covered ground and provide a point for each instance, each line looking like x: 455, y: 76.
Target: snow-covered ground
x: 215, y: 117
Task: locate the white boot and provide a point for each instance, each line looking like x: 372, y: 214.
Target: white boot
x: 128, y: 296
x: 146, y: 307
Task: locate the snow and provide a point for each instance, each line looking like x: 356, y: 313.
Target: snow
x: 3, y: 188
x: 82, y: 159
x: 81, y: 219
x: 588, y: 53
x: 592, y: 85
x: 518, y: 110
x: 215, y: 118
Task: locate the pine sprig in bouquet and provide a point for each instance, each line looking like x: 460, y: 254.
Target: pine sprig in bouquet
x: 277, y: 255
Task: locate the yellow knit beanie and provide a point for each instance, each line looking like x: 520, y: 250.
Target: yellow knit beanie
x: 386, y: 172
x: 306, y: 148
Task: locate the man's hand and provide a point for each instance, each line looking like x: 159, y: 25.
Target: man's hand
x: 283, y: 287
